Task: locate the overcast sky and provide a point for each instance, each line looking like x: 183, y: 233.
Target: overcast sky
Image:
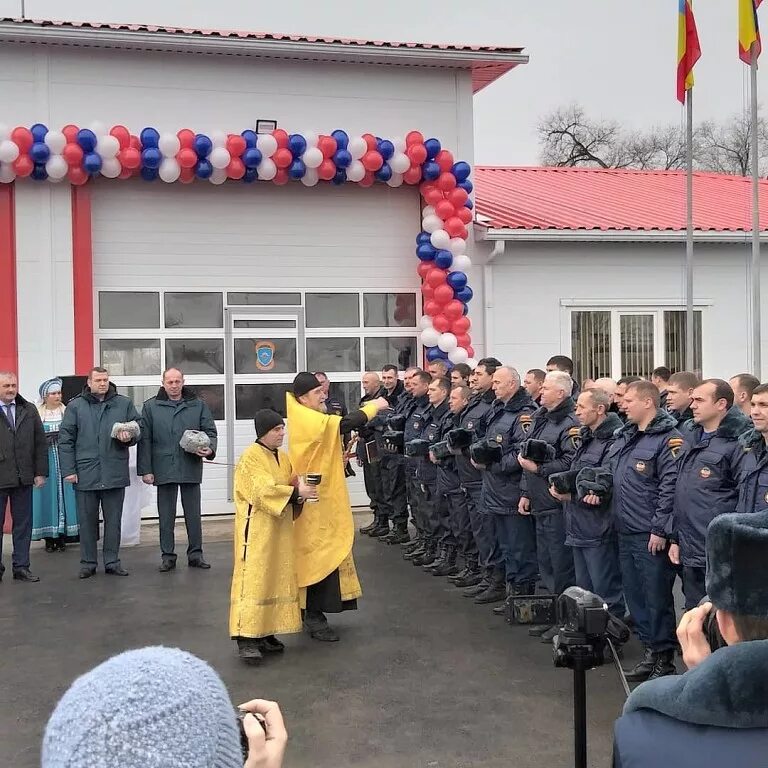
x: 616, y: 57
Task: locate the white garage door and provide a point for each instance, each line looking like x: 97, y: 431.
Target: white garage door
x: 216, y: 280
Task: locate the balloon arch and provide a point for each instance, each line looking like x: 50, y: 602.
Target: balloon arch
x: 77, y: 154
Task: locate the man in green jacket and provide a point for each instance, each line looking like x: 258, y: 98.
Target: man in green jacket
x: 97, y: 464
x: 164, y: 463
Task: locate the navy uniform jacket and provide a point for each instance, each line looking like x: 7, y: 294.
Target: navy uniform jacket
x: 681, y: 416
x: 644, y: 469
x: 416, y: 413
x: 587, y: 525
x: 447, y: 472
x: 560, y: 428
x: 427, y: 471
x: 371, y: 429
x: 707, y: 483
x: 508, y: 424
x: 753, y: 483
x: 471, y: 418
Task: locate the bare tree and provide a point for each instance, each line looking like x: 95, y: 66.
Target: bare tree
x: 727, y: 147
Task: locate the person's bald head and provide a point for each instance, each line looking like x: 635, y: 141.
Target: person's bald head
x: 607, y: 385
x: 506, y: 382
x: 371, y: 383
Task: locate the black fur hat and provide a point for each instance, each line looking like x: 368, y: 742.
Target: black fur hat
x: 396, y: 422
x: 459, y: 438
x: 737, y: 563
x: 394, y: 440
x: 537, y: 450
x: 563, y: 482
x: 417, y: 449
x: 594, y: 480
x: 485, y: 451
x: 441, y: 450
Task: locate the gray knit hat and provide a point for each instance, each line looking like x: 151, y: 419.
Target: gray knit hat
x: 150, y: 708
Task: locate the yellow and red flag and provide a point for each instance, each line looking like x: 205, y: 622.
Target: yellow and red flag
x: 688, y: 49
x: 749, y: 30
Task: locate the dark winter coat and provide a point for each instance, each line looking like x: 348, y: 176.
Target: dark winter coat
x: 426, y: 471
x: 714, y: 715
x: 587, y: 525
x: 707, y: 483
x: 86, y: 446
x: 508, y: 424
x: 447, y: 470
x: 372, y: 428
x: 681, y: 417
x: 162, y: 425
x: 559, y: 428
x: 753, y: 483
x: 470, y: 418
x: 23, y: 452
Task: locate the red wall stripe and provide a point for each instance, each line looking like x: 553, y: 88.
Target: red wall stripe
x: 9, y: 339
x: 82, y: 277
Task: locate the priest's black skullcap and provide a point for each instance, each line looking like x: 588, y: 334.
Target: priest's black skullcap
x: 304, y: 382
x: 266, y: 420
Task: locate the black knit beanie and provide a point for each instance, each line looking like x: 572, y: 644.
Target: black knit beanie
x: 304, y: 382
x: 265, y: 421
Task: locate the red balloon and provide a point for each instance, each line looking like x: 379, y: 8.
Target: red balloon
x: 70, y: 132
x: 443, y: 295
x: 431, y: 308
x: 443, y: 208
x: 187, y: 175
x: 454, y: 226
x: 235, y: 169
x: 441, y: 323
x: 458, y: 197
x: 434, y: 197
x: 281, y: 177
x: 77, y: 176
x: 120, y: 132
x: 464, y: 214
x: 22, y: 138
x: 417, y: 153
x: 186, y: 138
x: 427, y: 291
x: 281, y: 137
x: 126, y: 173
x: 327, y: 145
x: 470, y: 350
x: 446, y: 182
x: 367, y: 180
x: 425, y: 267
x: 372, y: 160
x: 414, y: 137
x: 236, y: 146
x: 326, y: 170
x: 444, y: 159
x: 129, y: 158
x: 462, y: 325
x: 463, y: 234
x: 412, y: 175
x: 74, y: 155
x: 370, y: 140
x: 187, y: 157
x: 453, y: 309
x: 436, y: 277
x: 464, y: 340
x: 282, y: 158
x: 135, y: 142
x: 23, y: 165
x: 425, y: 187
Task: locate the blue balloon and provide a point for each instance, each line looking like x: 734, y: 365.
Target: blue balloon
x: 151, y: 157
x: 461, y: 171
x: 433, y: 147
x: 430, y: 170
x: 297, y: 144
x: 251, y: 174
x: 39, y: 152
x: 435, y: 353
x: 467, y: 186
x: 204, y: 169
x: 465, y: 294
x: 469, y: 204
x: 149, y: 174
x: 386, y: 149
x: 443, y: 259
x: 38, y: 131
x: 426, y: 252
x: 465, y: 310
x: 457, y: 280
x: 251, y: 157
x: 250, y: 138
x: 384, y: 173
x: 423, y: 237
x: 203, y: 146
x: 342, y: 140
x: 339, y: 178
x: 86, y: 139
x: 39, y: 173
x: 149, y: 137
x: 342, y: 159
x: 297, y: 169
x: 92, y: 162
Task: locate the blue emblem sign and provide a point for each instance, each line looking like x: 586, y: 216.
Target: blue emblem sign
x: 265, y: 355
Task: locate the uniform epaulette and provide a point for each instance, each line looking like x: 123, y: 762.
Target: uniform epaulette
x: 526, y: 417
x: 675, y: 442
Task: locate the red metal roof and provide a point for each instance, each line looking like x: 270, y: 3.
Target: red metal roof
x: 483, y: 72
x: 609, y: 200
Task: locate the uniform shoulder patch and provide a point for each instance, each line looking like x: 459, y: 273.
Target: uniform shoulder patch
x: 675, y: 444
x: 574, y: 432
x: 526, y: 422
x: 526, y: 417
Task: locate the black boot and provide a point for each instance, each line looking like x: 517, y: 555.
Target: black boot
x: 439, y: 559
x: 417, y: 542
x: 368, y: 528
x: 419, y: 551
x: 449, y: 567
x: 396, y: 536
x: 642, y: 670
x: 525, y: 588
x: 381, y: 529
x: 665, y: 665
x: 472, y: 577
x: 249, y: 649
x: 429, y: 556
x: 479, y: 588
x: 496, y: 592
x: 460, y: 575
x: 503, y: 609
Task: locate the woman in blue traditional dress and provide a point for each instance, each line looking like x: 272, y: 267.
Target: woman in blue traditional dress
x: 54, y: 514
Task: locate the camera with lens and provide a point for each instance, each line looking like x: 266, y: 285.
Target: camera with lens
x: 441, y: 451
x: 417, y: 449
x: 486, y: 451
x: 459, y: 439
x: 711, y: 629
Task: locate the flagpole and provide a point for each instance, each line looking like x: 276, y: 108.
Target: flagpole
x: 689, y: 232
x: 754, y: 274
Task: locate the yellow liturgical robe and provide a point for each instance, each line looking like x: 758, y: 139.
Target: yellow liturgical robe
x: 265, y: 593
x: 324, y: 532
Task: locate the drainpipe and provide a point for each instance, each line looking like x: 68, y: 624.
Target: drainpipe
x: 498, y: 250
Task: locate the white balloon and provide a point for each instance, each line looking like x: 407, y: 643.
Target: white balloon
x: 457, y: 246
x: 310, y: 178
x: 425, y: 322
x: 399, y: 143
x: 458, y: 355
x: 170, y: 170
x: 429, y: 210
x: 98, y: 128
x: 219, y: 157
x: 109, y: 146
x: 399, y: 162
x: 5, y: 132
x: 55, y: 141
x: 431, y: 224
x: 7, y: 174
x: 447, y: 342
x: 55, y: 181
x: 219, y: 176
x: 311, y: 138
x: 471, y: 362
x: 169, y: 144
x: 357, y: 147
x: 396, y: 180
x: 355, y: 171
x: 430, y: 337
x: 312, y: 157
x: 111, y: 168
x: 267, y: 169
x: 219, y: 139
x: 440, y: 239
x: 56, y: 167
x: 9, y: 151
x: 461, y: 263
x: 266, y: 143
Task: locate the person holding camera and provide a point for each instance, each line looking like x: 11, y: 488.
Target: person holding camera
x: 715, y: 713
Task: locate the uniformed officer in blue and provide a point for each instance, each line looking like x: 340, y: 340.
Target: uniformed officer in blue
x: 508, y: 423
x: 590, y: 530
x: 642, y: 471
x: 753, y: 484
x: 707, y: 482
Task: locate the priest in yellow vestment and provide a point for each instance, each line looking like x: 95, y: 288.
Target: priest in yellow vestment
x: 324, y: 533
x: 265, y: 592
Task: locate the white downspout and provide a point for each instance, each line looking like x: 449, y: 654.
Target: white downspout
x: 498, y: 250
